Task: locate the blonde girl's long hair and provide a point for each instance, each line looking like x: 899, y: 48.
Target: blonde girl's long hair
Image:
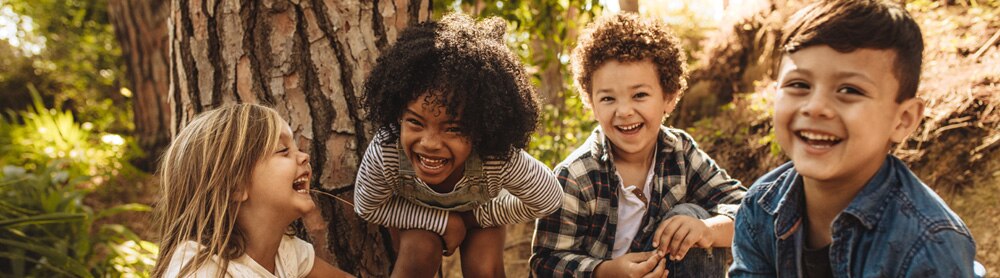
x: 202, y: 172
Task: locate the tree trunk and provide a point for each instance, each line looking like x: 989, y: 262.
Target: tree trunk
x: 631, y: 6
x: 141, y: 28
x: 307, y: 59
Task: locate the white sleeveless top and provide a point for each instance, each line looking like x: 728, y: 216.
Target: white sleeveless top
x: 295, y: 259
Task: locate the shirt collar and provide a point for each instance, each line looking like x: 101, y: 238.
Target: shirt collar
x: 866, y: 206
x: 666, y: 143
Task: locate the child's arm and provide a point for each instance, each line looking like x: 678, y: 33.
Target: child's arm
x: 711, y: 186
x: 676, y: 235
x: 753, y: 253
x: 534, y: 192
x: 375, y: 202
x: 323, y: 269
x: 947, y: 253
x: 558, y: 246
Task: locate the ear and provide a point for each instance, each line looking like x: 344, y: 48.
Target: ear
x: 907, y: 119
x: 670, y: 103
x: 241, y: 195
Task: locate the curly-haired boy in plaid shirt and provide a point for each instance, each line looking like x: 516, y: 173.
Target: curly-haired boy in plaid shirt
x: 639, y: 198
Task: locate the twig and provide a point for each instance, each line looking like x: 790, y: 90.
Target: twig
x: 986, y: 46
x: 332, y: 196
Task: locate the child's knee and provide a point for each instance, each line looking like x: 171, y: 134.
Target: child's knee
x: 420, y: 245
x: 701, y: 262
x: 483, y: 268
x: 688, y: 209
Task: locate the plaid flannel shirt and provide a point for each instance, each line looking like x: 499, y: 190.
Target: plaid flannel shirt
x: 580, y: 235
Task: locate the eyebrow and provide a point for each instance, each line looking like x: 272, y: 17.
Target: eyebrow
x: 640, y: 85
x: 845, y: 75
x: 414, y: 113
x: 633, y: 87
x: 408, y: 110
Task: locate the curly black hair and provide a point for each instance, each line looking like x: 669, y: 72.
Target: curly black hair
x: 469, y: 70
x: 626, y: 37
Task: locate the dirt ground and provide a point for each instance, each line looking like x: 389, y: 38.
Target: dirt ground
x: 980, y: 209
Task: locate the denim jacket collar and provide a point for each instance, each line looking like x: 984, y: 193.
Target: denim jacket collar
x: 866, y: 206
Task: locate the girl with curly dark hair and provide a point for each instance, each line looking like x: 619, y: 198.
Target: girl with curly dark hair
x: 454, y: 109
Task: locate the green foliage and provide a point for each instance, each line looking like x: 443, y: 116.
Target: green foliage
x: 52, y: 136
x: 562, y: 129
x: 46, y: 229
x: 79, y: 59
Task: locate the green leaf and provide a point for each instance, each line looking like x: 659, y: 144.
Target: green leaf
x: 123, y: 208
x: 57, y: 258
x: 47, y: 218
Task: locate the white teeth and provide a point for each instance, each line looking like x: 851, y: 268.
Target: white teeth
x: 630, y: 127
x: 302, y: 184
x: 431, y: 163
x: 818, y: 137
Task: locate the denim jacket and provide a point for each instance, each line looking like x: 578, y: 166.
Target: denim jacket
x: 895, y: 227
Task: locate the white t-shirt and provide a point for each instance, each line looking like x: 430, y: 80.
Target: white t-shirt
x: 631, y: 209
x: 295, y: 259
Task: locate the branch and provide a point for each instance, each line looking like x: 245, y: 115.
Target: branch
x: 990, y: 42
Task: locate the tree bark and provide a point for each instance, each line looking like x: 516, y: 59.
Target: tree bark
x: 308, y: 60
x: 141, y: 28
x: 631, y: 6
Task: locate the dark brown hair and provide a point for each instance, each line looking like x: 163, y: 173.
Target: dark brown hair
x: 629, y: 38
x: 849, y: 25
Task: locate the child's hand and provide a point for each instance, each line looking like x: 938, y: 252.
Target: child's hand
x: 676, y: 235
x: 454, y: 233
x: 642, y: 264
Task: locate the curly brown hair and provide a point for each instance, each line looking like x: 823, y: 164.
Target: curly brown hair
x: 626, y: 38
x: 469, y: 70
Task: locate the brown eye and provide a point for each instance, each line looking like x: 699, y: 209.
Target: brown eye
x: 850, y: 91
x: 413, y: 122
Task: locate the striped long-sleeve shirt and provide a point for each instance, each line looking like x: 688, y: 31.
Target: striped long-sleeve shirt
x: 533, y: 191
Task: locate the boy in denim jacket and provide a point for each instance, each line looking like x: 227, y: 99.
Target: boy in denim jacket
x: 843, y: 206
x: 640, y: 199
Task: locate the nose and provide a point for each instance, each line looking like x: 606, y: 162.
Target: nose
x: 431, y: 141
x: 817, y: 105
x: 624, y: 110
x: 303, y: 158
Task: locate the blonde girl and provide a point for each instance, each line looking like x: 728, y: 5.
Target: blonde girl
x: 232, y: 182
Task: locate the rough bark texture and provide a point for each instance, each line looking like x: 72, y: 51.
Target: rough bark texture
x: 308, y: 60
x: 141, y: 28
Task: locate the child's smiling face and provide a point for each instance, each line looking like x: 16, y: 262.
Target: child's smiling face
x: 433, y: 141
x: 280, y: 180
x: 836, y: 113
x: 630, y: 104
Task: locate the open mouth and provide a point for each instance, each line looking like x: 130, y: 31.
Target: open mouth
x: 301, y: 184
x: 629, y: 129
x: 432, y: 163
x: 818, y: 140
